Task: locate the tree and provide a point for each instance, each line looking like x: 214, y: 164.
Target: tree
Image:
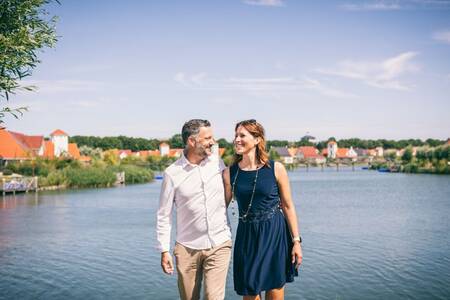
x: 24, y: 30
x: 176, y: 141
x: 407, y: 155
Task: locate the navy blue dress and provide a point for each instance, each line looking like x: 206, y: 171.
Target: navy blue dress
x: 263, y: 245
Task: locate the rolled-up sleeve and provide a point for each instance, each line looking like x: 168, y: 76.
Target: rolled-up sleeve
x: 164, y: 215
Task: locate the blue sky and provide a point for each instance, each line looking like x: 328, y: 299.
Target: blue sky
x: 368, y: 69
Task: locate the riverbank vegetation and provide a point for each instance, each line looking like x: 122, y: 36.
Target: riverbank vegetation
x: 70, y: 173
x: 431, y: 160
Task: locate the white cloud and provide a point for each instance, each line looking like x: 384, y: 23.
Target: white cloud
x: 383, y: 74
x: 370, y: 6
x: 254, y: 86
x: 442, y: 36
x: 387, y: 5
x: 265, y: 2
x: 60, y: 86
x: 193, y: 80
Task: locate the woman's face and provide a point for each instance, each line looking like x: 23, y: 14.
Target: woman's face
x: 244, y: 141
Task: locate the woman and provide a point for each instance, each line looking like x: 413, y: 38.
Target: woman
x: 267, y: 250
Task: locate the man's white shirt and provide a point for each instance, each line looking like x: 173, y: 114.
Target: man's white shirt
x: 197, y: 193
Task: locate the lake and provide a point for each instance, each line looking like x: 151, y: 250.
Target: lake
x: 366, y: 235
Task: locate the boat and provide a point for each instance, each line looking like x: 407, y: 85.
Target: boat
x: 384, y: 170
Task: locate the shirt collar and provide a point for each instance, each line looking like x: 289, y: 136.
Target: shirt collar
x: 185, y: 162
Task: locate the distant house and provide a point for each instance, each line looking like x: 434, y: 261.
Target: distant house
x: 346, y: 153
x: 164, y: 149
x: 124, y: 153
x: 284, y: 154
x: 19, y: 146
x: 380, y: 151
x: 360, y: 152
x: 310, y: 154
x: 332, y: 149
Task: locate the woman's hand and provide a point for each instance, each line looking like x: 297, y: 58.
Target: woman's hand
x: 297, y: 254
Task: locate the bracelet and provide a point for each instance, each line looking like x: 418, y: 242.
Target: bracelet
x: 297, y: 239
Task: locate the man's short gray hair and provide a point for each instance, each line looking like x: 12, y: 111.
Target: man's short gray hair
x: 192, y: 127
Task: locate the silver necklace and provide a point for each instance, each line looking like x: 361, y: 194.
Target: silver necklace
x: 244, y: 216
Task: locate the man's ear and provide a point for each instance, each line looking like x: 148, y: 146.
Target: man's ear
x: 191, y: 141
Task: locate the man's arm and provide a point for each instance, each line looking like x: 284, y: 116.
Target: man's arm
x: 164, y: 223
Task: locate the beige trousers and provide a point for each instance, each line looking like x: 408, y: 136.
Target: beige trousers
x: 211, y: 265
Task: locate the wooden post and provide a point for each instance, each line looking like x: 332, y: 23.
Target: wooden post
x: 321, y: 166
x: 353, y: 166
x: 337, y: 166
x: 307, y: 167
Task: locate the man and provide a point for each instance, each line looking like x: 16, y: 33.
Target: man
x: 193, y: 185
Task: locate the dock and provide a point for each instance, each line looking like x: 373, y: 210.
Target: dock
x: 13, y: 184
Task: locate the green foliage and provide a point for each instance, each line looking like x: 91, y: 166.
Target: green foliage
x: 223, y: 143
x: 407, y: 155
x: 89, y: 177
x: 158, y: 163
x: 273, y: 155
x: 176, y: 141
x: 24, y: 30
x: 54, y: 178
x: 135, y: 174
x: 118, y: 142
x: 90, y: 151
x: 411, y: 168
x: 6, y: 172
x: 277, y: 143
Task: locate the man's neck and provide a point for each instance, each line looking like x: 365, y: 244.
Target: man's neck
x: 193, y: 158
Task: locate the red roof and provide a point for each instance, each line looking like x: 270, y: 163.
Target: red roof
x: 309, y: 152
x: 49, y: 149
x: 11, y: 147
x: 19, y: 145
x: 33, y: 142
x: 175, y: 152
x: 127, y: 152
x: 58, y: 132
x: 342, y: 153
x: 154, y: 153
x: 74, y: 151
x: 84, y: 158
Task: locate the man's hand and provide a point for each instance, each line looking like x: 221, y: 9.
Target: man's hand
x: 166, y: 262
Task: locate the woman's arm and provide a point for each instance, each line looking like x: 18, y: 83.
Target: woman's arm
x: 227, y: 185
x: 288, y: 207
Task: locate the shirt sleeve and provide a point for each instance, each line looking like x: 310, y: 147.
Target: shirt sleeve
x: 222, y: 165
x: 164, y: 215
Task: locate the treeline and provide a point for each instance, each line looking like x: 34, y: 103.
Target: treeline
x: 137, y: 144
x: 434, y: 160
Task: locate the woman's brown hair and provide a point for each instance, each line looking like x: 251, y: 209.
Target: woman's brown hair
x: 257, y: 131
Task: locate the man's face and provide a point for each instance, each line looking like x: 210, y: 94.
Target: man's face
x: 203, y: 142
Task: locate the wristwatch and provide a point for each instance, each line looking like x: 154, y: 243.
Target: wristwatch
x: 297, y: 238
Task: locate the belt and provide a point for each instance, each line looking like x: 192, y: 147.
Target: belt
x: 259, y: 216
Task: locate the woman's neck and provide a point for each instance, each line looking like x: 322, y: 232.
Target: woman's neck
x: 249, y: 161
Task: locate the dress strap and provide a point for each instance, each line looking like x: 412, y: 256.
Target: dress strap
x: 233, y: 169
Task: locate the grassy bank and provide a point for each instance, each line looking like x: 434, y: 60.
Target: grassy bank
x: 72, y: 174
